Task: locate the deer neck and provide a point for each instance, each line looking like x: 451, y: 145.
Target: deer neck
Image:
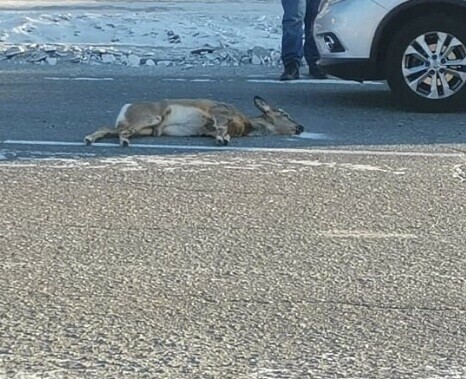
x: 260, y: 126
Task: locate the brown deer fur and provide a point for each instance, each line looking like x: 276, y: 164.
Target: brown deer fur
x: 196, y: 117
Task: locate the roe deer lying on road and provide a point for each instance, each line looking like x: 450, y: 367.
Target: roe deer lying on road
x: 196, y: 117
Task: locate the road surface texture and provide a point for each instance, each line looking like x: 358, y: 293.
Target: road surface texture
x: 63, y: 104
x: 341, y: 255
x: 233, y: 266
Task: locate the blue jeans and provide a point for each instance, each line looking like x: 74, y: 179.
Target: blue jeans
x: 299, y: 13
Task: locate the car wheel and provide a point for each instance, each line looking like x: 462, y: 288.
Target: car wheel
x: 426, y: 64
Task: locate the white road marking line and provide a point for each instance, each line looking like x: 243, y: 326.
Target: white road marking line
x: 203, y: 80
x: 270, y: 81
x: 315, y: 81
x: 82, y: 79
x: 274, y: 81
x: 246, y: 149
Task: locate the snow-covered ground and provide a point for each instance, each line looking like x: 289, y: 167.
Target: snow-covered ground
x: 136, y: 33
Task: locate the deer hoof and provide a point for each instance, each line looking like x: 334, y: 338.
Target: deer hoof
x: 124, y: 142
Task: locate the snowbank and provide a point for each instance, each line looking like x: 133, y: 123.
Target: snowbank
x: 135, y: 33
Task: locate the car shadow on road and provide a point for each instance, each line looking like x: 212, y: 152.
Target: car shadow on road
x: 375, y: 99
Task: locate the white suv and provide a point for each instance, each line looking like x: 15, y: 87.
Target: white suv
x: 418, y: 46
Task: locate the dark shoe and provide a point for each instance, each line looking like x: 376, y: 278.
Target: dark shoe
x: 316, y: 73
x: 291, y: 72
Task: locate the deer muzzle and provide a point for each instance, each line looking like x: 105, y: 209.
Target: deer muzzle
x: 299, y: 129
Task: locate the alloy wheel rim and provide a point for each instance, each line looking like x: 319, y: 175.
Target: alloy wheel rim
x: 434, y: 65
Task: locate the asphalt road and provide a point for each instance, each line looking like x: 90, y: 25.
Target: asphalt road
x: 57, y: 104
x: 340, y: 255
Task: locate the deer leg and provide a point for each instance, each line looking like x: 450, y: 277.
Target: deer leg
x: 99, y: 134
x: 138, y: 129
x: 223, y: 137
x: 210, y: 128
x: 126, y: 134
x: 220, y: 134
x: 226, y: 139
x: 157, y: 130
x: 159, y: 126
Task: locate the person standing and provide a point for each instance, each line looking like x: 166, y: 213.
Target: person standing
x: 298, y: 14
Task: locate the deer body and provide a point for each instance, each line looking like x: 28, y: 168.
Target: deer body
x: 195, y: 117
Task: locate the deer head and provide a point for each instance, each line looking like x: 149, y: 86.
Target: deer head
x: 274, y: 120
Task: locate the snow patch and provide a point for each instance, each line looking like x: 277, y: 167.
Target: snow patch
x: 316, y: 136
x: 137, y: 34
x: 350, y: 166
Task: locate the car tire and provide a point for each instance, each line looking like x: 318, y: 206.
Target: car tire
x: 407, y: 57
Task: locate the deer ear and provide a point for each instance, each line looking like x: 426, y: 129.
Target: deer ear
x: 261, y: 104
